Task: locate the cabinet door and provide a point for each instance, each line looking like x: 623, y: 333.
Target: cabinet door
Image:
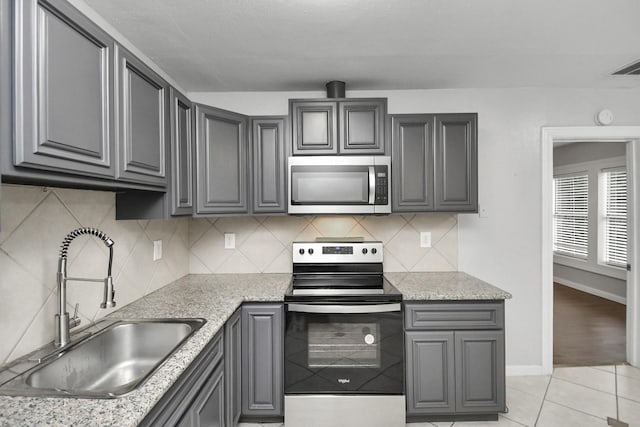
x: 181, y: 142
x: 207, y: 409
x: 480, y: 382
x: 412, y: 159
x: 314, y: 125
x: 221, y: 161
x: 456, y: 163
x: 262, y: 361
x: 269, y: 164
x: 62, y: 91
x: 430, y: 385
x: 362, y: 124
x: 233, y: 368
x: 141, y: 121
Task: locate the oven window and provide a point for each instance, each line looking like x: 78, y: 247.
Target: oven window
x: 343, y: 345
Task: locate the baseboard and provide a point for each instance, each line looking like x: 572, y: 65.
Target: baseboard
x: 524, y: 370
x: 597, y: 292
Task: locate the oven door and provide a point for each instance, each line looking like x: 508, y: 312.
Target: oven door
x: 344, y: 349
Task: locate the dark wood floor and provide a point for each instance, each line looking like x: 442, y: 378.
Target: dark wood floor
x: 587, y: 330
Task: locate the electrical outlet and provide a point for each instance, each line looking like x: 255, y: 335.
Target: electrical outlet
x: 229, y: 240
x: 425, y: 239
x: 157, y: 250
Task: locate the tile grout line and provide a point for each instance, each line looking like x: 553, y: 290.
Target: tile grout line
x: 544, y: 399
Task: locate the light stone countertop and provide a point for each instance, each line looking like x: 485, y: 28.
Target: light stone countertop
x: 215, y: 298
x: 444, y: 286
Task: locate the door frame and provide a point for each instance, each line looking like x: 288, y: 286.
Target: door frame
x: 631, y: 135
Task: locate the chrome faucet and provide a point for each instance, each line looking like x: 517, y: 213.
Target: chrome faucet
x: 62, y: 320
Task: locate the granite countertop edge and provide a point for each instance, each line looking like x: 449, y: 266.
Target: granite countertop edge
x: 214, y: 297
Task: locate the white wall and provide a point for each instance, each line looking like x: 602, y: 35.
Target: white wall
x: 505, y: 247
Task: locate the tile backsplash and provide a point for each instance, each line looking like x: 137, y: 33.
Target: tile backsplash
x: 263, y: 244
x: 36, y: 219
x: 34, y: 222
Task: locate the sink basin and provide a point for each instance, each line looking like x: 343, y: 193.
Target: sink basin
x: 110, y: 362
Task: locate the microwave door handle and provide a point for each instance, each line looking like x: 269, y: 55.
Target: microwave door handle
x: 344, y: 309
x: 372, y: 185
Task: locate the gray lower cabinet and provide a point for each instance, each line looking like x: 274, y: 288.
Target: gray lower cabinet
x: 454, y: 360
x: 338, y: 126
x: 435, y: 162
x: 181, y: 152
x: 197, y: 396
x: 141, y: 143
x: 207, y: 410
x: 221, y: 161
x: 269, y: 154
x: 62, y: 90
x: 233, y: 368
x: 262, y: 362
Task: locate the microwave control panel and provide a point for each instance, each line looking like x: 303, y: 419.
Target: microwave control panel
x: 382, y: 185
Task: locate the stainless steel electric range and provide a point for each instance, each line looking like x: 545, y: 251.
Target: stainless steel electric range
x: 344, y: 346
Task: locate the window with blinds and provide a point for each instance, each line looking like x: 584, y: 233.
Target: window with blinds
x: 615, y: 217
x: 571, y: 215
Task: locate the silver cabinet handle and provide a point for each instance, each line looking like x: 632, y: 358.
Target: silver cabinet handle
x: 344, y: 309
x: 372, y: 185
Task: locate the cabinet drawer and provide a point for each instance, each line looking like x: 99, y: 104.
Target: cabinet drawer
x: 463, y: 315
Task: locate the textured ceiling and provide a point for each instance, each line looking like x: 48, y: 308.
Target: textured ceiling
x: 281, y: 45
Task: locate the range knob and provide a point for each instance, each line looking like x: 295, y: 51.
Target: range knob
x: 374, y: 251
x: 310, y: 251
x: 301, y: 251
x: 364, y: 251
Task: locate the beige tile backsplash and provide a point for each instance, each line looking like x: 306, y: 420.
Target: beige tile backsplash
x: 34, y: 220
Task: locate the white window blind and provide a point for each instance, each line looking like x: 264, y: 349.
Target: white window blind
x: 615, y: 218
x: 571, y: 215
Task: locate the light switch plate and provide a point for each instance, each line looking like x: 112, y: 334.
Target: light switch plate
x: 425, y: 239
x: 157, y: 250
x: 229, y: 240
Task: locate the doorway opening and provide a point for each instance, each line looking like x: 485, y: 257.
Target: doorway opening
x: 589, y: 253
x: 630, y: 137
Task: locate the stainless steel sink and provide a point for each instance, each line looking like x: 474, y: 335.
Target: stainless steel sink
x: 108, y: 363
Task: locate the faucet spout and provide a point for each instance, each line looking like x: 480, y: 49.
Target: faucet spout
x: 62, y: 321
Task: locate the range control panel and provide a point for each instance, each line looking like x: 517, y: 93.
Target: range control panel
x: 337, y: 252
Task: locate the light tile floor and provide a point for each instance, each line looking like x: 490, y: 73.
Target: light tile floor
x: 571, y: 397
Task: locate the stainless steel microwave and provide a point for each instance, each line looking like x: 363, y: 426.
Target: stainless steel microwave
x: 339, y: 185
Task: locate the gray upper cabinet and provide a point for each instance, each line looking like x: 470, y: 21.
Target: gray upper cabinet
x: 221, y: 161
x: 412, y: 159
x: 456, y: 155
x: 141, y: 121
x: 344, y: 126
x: 262, y: 362
x: 62, y: 90
x: 435, y: 162
x: 181, y: 149
x: 268, y: 144
x: 362, y: 126
x: 314, y: 126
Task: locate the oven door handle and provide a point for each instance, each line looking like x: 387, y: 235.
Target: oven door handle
x: 344, y: 309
